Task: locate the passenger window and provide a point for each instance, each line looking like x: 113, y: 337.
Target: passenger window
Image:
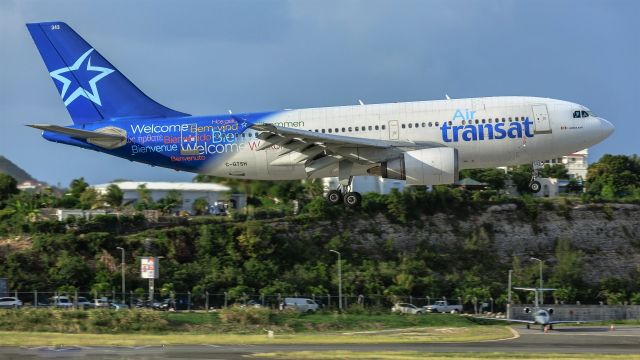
x: 357, y: 128
x: 249, y: 134
x: 329, y: 130
x: 576, y: 114
x: 350, y: 129
x: 377, y: 127
x: 336, y: 130
x: 370, y: 127
x: 383, y: 127
x: 477, y: 121
x: 585, y: 114
x: 437, y: 124
x: 342, y: 129
x: 517, y: 118
x: 424, y: 125
x: 430, y: 124
x: 483, y: 121
x: 417, y: 125
x: 410, y: 126
x: 463, y: 122
x: 403, y: 126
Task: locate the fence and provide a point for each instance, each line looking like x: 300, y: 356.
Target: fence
x: 583, y: 312
x: 203, y: 301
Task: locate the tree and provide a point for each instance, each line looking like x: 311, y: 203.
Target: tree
x: 77, y: 187
x: 496, y: 178
x: 614, y: 176
x: 8, y: 187
x: 567, y: 274
x: 200, y: 206
x: 89, y: 199
x: 113, y: 196
x: 171, y: 201
x: 144, y: 198
x: 557, y: 171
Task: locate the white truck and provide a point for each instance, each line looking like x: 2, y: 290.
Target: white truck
x: 441, y: 306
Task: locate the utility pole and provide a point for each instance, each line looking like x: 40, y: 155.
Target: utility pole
x: 539, y: 262
x: 509, y: 296
x: 122, y: 268
x: 339, y: 279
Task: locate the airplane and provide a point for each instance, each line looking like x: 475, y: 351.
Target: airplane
x: 424, y: 142
x: 539, y: 315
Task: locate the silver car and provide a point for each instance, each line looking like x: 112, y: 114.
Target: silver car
x: 10, y: 302
x: 406, y: 308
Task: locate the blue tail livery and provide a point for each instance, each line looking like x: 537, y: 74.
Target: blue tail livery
x: 423, y: 142
x: 91, y: 88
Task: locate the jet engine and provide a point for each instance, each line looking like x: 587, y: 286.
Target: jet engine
x: 433, y: 166
x: 550, y: 311
x: 527, y: 310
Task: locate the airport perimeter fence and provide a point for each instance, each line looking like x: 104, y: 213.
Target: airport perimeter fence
x: 210, y: 301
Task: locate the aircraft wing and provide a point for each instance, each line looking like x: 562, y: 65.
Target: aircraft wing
x: 572, y: 321
x: 509, y: 320
x: 77, y: 133
x: 320, y: 150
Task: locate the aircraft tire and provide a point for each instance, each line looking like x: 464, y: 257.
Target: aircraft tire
x: 352, y: 199
x: 535, y: 187
x: 334, y: 197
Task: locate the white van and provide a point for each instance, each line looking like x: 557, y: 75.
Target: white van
x: 300, y: 304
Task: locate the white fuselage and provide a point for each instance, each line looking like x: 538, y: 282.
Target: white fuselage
x: 552, y: 130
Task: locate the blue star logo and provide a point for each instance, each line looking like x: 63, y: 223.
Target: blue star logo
x: 92, y: 95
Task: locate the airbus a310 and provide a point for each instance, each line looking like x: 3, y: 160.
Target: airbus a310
x: 424, y: 143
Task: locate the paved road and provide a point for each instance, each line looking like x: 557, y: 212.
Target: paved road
x: 624, y: 340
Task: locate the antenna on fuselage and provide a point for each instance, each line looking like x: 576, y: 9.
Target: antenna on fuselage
x: 360, y: 102
x: 447, y: 96
x: 230, y: 112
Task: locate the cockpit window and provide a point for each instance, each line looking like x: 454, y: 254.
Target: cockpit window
x: 576, y: 114
x: 591, y: 113
x: 584, y: 114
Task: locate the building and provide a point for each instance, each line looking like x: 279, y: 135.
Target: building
x: 189, y: 192
x: 576, y: 164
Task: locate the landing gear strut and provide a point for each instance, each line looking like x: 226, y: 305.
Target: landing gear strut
x: 535, y: 185
x: 344, y: 194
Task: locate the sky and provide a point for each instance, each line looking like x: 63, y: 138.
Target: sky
x: 209, y: 57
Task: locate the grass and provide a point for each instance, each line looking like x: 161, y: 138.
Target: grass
x: 397, y: 355
x: 412, y: 335
x: 232, y: 320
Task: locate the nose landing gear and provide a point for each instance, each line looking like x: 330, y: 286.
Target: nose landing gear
x: 535, y: 185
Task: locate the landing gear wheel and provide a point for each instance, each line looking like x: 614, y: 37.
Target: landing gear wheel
x: 334, y: 197
x: 528, y: 326
x: 535, y: 186
x: 352, y: 199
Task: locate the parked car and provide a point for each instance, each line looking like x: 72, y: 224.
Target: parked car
x: 300, y: 304
x: 10, y: 302
x: 406, y: 308
x: 442, y: 306
x: 101, y: 303
x: 62, y: 302
x: 164, y: 305
x: 118, y: 306
x: 84, y: 303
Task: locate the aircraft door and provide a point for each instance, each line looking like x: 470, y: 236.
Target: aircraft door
x: 394, y: 130
x: 541, y: 119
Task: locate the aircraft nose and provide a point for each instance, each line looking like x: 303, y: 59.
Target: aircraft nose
x: 606, y: 127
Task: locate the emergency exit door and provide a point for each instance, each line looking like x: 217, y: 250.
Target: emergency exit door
x: 541, y: 119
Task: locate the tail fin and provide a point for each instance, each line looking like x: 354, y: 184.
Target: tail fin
x: 91, y: 88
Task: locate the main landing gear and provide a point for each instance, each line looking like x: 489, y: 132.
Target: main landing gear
x: 535, y: 185
x: 344, y: 194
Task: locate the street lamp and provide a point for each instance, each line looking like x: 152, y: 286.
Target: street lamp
x: 339, y: 279
x: 122, y: 267
x: 539, y: 262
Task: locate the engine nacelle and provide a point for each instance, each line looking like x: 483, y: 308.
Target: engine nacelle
x: 433, y: 166
x: 550, y: 311
x: 527, y: 310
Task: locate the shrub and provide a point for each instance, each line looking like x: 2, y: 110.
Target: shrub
x: 246, y: 316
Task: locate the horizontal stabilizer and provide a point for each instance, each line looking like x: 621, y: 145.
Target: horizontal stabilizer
x: 77, y: 133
